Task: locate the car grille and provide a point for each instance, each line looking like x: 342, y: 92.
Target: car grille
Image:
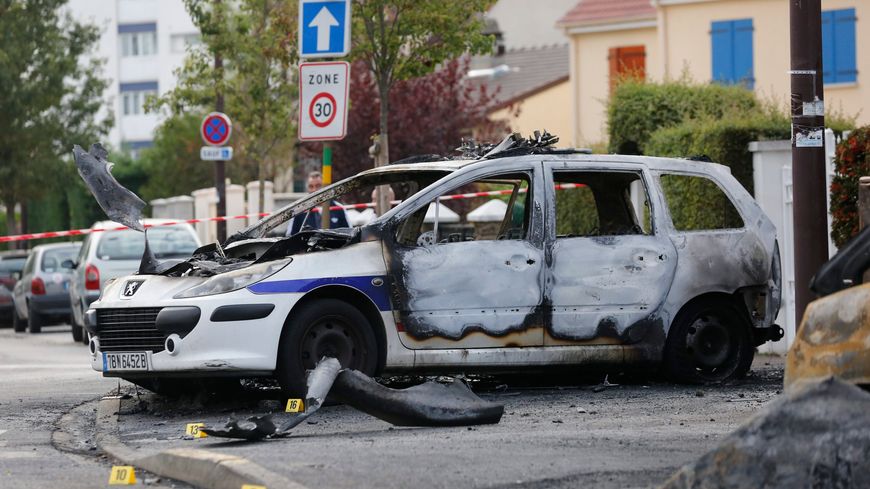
x: 130, y: 329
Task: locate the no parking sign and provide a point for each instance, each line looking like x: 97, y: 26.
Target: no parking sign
x: 323, y: 100
x: 216, y: 129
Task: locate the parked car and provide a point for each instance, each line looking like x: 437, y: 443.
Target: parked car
x: 598, y: 259
x: 41, y: 296
x: 106, y: 255
x: 11, y: 264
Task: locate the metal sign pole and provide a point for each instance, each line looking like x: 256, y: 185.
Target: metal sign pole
x: 220, y: 179
x: 326, y: 173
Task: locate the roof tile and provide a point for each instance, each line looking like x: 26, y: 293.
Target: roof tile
x: 605, y: 11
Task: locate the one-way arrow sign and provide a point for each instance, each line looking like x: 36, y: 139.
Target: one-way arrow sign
x: 324, y: 28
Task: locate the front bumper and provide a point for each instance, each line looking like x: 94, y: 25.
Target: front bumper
x: 225, y: 334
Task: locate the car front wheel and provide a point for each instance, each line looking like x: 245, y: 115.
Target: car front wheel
x: 324, y: 328
x: 709, y: 342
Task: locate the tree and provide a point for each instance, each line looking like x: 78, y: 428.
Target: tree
x: 256, y: 42
x: 402, y: 39
x: 50, y: 97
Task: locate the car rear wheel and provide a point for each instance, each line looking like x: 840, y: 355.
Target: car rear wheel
x: 34, y: 320
x: 709, y: 342
x: 326, y: 327
x: 18, y: 324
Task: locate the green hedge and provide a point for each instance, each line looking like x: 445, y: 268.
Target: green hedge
x: 637, y: 109
x: 851, y: 163
x: 724, y: 140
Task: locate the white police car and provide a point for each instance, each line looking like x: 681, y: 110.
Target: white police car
x: 583, y: 259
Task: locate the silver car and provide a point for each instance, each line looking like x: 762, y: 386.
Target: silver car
x: 109, y: 254
x: 41, y: 295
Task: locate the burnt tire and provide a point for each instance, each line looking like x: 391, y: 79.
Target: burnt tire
x: 709, y: 342
x: 18, y: 324
x: 325, y: 327
x: 34, y: 321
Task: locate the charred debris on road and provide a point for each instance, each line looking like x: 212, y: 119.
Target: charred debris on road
x: 427, y: 404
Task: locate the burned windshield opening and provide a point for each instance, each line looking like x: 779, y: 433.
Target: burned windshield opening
x: 351, y: 203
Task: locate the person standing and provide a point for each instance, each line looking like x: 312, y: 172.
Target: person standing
x: 311, y: 220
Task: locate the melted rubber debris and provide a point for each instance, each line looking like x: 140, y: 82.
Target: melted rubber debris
x: 427, y: 404
x: 119, y: 203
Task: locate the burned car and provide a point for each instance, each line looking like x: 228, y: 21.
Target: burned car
x: 595, y: 260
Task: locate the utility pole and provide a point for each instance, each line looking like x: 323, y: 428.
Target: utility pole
x: 220, y: 181
x: 808, y: 151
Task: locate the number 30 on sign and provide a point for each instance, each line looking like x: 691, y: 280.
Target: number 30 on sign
x: 323, y: 100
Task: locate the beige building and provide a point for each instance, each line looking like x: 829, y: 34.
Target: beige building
x: 528, y: 72
x: 728, y: 41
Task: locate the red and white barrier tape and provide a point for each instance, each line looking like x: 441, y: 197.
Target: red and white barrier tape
x: 82, y: 232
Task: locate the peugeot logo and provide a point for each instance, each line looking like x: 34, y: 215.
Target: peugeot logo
x: 131, y: 287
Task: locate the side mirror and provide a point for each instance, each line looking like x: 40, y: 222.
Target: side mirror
x: 16, y: 276
x: 69, y: 264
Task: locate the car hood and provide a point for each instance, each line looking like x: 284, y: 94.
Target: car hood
x: 212, y: 259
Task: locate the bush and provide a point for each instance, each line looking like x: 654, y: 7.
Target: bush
x: 723, y: 140
x: 637, y: 109
x: 852, y: 161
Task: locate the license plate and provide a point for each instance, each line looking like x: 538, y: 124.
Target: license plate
x: 127, y: 362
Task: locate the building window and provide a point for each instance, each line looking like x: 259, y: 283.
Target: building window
x: 626, y: 61
x: 732, y: 52
x: 134, y: 148
x: 133, y: 96
x: 838, y: 46
x: 138, y: 39
x: 180, y: 42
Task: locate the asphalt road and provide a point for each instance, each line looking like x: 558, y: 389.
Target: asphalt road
x: 552, y: 435
x: 44, y: 376
x: 555, y: 433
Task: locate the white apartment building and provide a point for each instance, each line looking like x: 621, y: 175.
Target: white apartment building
x: 143, y: 42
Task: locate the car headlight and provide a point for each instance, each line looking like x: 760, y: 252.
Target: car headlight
x: 234, y: 280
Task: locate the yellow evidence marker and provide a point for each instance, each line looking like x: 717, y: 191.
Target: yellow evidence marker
x: 193, y: 430
x: 294, y: 406
x: 252, y: 486
x: 122, y: 475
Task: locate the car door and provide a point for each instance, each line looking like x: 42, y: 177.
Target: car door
x: 476, y: 283
x: 77, y: 280
x: 611, y: 266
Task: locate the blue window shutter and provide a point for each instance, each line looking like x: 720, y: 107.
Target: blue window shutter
x: 828, y: 51
x: 743, y: 56
x: 844, y: 41
x: 721, y: 36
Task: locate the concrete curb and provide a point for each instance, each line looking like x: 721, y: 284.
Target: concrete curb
x: 199, y: 467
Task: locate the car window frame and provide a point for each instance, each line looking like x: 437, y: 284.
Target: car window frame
x: 651, y: 187
x: 642, y: 177
x: 459, y: 178
x: 722, y: 188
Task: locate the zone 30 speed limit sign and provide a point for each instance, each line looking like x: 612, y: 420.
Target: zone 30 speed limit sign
x: 323, y: 100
